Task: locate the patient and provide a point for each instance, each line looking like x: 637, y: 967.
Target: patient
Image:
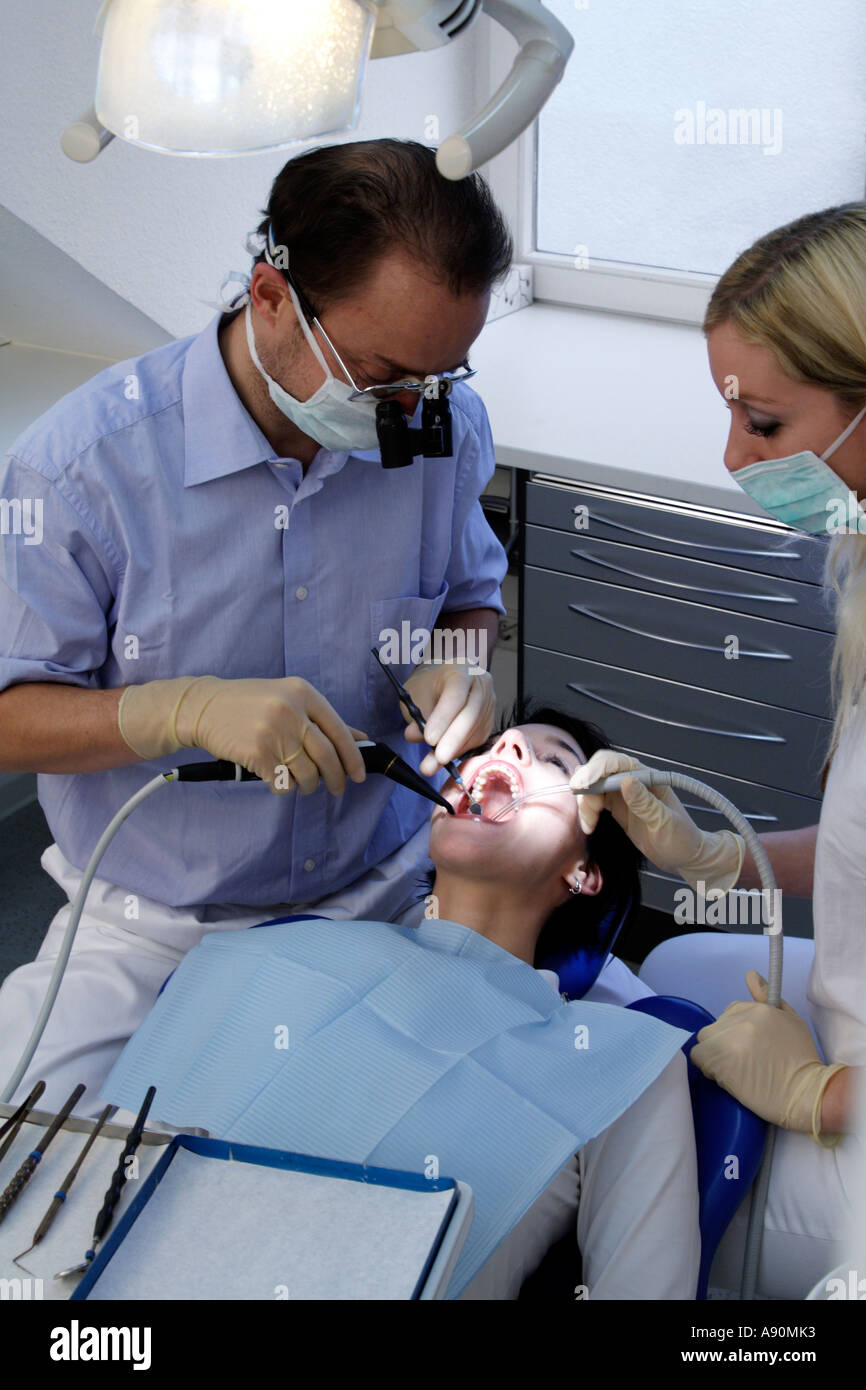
x: 527, y: 884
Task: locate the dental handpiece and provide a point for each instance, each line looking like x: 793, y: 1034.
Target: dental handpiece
x: 415, y: 713
x: 377, y: 757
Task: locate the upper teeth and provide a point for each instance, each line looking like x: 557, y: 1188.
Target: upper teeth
x: 500, y: 770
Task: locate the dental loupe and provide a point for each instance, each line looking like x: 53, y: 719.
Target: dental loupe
x: 650, y: 777
x: 399, y: 442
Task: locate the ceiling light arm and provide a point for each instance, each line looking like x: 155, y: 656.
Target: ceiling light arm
x: 546, y: 46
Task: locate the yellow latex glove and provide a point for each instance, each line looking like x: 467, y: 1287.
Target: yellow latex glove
x: 266, y: 725
x: 766, y: 1058
x: 458, y: 704
x: 657, y: 822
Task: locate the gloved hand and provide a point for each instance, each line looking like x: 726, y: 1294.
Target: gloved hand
x: 766, y: 1058
x: 262, y: 724
x: 657, y: 822
x: 458, y: 707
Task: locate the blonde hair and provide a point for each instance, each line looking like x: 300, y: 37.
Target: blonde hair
x: 801, y: 292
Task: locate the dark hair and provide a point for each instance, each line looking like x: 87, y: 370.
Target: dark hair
x: 608, y: 847
x: 338, y: 208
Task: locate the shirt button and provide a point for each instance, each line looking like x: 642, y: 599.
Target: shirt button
x: 309, y: 865
x: 301, y: 592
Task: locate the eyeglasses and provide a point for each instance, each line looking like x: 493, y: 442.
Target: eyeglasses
x: 431, y: 385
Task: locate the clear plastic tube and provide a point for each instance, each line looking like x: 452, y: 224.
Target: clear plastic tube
x: 525, y: 796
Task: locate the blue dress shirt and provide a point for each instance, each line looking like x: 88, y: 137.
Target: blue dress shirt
x: 171, y: 541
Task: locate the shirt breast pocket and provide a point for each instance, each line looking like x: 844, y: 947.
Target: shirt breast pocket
x: 399, y: 630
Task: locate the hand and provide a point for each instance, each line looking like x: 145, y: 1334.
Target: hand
x: 766, y: 1058
x: 458, y: 706
x: 266, y: 725
x: 656, y: 821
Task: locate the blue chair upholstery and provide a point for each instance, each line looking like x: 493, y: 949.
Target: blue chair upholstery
x: 724, y: 1130
x: 579, y: 964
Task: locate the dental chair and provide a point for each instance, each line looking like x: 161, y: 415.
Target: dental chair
x: 723, y: 1127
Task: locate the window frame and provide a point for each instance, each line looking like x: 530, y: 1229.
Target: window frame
x: 612, y: 286
x: 608, y: 286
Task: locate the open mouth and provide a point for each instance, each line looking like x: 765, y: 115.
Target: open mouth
x: 494, y: 784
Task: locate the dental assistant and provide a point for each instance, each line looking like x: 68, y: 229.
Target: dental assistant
x: 787, y: 321
x: 221, y: 548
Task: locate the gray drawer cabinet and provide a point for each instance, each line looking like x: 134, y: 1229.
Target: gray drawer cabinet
x: 681, y: 641
x: 629, y: 605
x: 657, y: 572
x: 699, y: 532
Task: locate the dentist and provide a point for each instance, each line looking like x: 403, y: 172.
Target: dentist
x: 221, y: 549
x: 788, y: 321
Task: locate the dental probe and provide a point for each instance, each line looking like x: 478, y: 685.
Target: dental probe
x: 406, y: 699
x: 63, y: 1191
x: 34, y: 1158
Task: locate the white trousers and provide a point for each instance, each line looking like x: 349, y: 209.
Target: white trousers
x: 119, y: 961
x: 808, y: 1216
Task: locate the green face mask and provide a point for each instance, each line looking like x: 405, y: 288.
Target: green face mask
x: 804, y: 492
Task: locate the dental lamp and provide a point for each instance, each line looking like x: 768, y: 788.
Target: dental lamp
x: 219, y: 77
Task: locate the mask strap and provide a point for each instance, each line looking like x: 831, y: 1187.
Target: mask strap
x: 251, y: 342
x: 270, y: 251
x: 844, y: 435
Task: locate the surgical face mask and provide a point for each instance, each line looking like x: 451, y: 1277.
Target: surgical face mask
x: 803, y: 492
x: 329, y: 416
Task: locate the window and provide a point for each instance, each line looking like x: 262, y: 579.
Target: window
x: 680, y: 132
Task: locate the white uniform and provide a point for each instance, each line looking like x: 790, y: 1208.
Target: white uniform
x: 808, y: 1216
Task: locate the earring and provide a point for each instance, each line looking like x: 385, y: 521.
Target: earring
x: 577, y: 889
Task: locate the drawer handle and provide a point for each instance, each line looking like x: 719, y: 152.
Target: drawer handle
x: 672, y: 583
x: 712, y: 811
x: 674, y: 723
x: 700, y: 545
x: 674, y: 641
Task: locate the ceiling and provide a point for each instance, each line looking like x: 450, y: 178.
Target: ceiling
x: 48, y: 300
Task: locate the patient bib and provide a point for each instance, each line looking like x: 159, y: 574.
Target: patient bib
x: 428, y: 1049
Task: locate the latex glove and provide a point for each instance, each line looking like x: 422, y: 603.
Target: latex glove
x: 657, y: 822
x: 766, y: 1058
x: 458, y: 704
x: 264, y: 725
